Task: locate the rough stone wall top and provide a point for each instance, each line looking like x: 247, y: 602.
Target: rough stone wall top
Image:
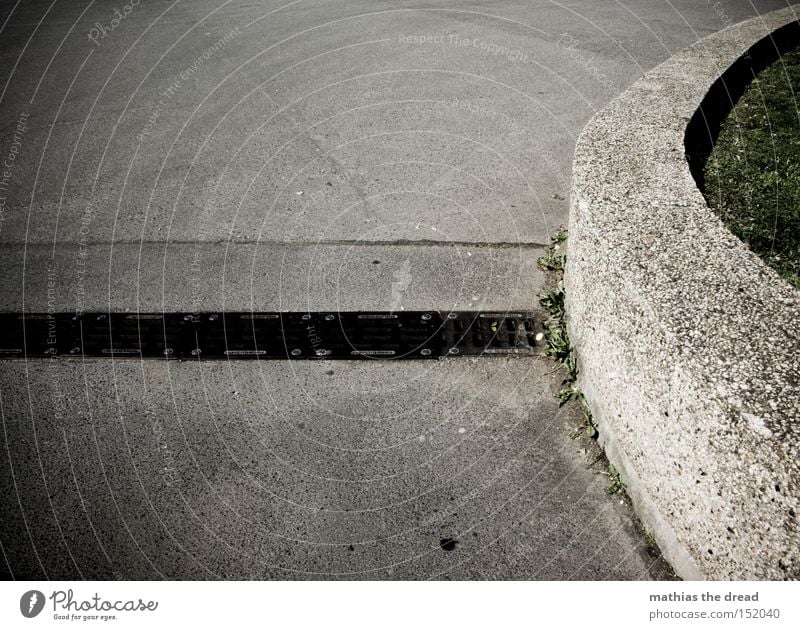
x: 688, y: 344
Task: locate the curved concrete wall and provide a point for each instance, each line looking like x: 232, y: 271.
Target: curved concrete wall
x: 688, y: 345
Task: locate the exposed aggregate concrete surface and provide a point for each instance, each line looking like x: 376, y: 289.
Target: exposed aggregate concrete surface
x: 687, y: 342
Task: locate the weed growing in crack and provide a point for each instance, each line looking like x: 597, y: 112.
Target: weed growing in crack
x: 553, y: 301
x: 559, y: 347
x: 616, y: 485
x: 554, y: 255
x: 588, y: 427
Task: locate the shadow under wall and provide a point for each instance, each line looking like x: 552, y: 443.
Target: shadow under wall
x: 704, y: 127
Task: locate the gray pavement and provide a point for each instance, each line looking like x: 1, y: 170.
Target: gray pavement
x: 229, y: 155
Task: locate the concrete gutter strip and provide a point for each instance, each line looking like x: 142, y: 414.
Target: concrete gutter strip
x: 687, y: 343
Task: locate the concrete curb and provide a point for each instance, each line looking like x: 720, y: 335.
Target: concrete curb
x: 687, y: 343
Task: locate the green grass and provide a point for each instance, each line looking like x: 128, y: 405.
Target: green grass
x: 753, y: 176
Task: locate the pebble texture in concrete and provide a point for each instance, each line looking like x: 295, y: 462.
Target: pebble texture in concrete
x: 687, y: 343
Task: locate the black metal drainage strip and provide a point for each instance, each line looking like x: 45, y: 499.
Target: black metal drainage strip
x: 255, y: 335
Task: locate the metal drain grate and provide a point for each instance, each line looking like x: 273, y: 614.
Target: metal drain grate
x: 348, y: 335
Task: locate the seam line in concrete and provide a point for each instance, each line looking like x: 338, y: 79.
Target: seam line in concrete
x: 334, y: 243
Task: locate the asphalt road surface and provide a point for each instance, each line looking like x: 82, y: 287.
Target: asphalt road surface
x: 320, y: 155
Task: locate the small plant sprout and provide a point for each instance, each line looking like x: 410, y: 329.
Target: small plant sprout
x: 616, y: 485
x: 554, y: 257
x: 558, y: 345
